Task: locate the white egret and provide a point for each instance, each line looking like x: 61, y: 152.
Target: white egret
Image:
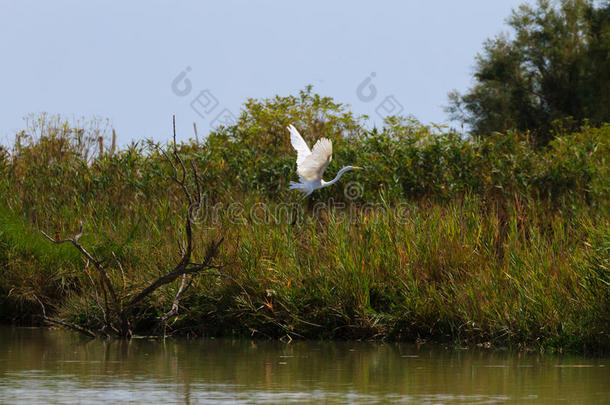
x: 312, y: 163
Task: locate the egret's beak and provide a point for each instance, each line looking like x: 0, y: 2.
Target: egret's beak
x: 357, y: 168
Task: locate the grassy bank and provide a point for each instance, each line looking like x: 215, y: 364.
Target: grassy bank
x: 440, y: 238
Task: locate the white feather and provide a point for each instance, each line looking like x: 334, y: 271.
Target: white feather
x: 299, y: 144
x: 312, y: 167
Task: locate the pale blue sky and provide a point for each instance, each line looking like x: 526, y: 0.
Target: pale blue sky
x: 118, y: 59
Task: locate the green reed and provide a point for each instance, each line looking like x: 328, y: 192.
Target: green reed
x: 451, y: 239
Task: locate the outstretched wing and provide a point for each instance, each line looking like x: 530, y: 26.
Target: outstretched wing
x: 313, y: 166
x: 299, y: 144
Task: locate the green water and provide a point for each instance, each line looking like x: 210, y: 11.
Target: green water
x: 55, y: 366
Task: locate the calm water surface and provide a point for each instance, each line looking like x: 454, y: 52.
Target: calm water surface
x: 55, y: 366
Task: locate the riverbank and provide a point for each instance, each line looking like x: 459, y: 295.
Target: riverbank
x: 491, y: 242
x: 437, y: 272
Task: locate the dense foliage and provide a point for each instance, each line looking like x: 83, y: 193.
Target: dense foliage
x: 475, y: 240
x: 555, y: 66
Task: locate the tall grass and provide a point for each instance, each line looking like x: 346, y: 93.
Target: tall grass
x: 453, y: 239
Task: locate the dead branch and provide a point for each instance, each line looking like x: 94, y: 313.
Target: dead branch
x: 176, y: 304
x: 98, y: 264
x: 97, y: 297
x: 182, y: 269
x: 190, y: 185
x: 105, y: 283
x: 73, y: 326
x: 118, y: 262
x: 185, y: 266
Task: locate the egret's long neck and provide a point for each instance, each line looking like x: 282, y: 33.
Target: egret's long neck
x: 337, y: 177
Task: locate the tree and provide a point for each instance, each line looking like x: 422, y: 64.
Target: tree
x: 554, y: 67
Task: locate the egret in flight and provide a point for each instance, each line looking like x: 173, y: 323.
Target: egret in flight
x: 312, y: 163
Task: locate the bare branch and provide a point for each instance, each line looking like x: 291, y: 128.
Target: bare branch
x: 169, y: 160
x: 175, y: 305
x: 118, y: 262
x: 197, y: 182
x: 73, y: 326
x: 185, y: 266
x: 98, y: 264
x: 182, y: 268
x: 115, y: 313
x: 56, y: 241
x: 80, y: 232
x: 181, y: 181
x: 97, y: 297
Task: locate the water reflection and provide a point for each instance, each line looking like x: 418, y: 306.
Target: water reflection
x: 40, y: 365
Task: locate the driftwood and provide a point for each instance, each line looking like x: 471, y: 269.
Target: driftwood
x: 115, y: 309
